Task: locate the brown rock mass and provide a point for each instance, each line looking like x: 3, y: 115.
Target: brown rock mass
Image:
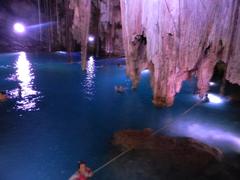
x: 181, y: 147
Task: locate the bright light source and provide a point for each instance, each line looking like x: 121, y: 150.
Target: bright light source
x: 19, y: 28
x: 212, y: 83
x: 61, y: 52
x: 215, y: 99
x: 145, y: 71
x: 91, y: 39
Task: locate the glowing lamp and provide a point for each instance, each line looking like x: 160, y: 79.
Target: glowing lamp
x: 214, y: 98
x: 212, y: 83
x: 145, y: 71
x: 91, y: 39
x: 19, y: 28
x: 61, y: 52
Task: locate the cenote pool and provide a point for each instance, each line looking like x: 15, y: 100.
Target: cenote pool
x: 58, y: 115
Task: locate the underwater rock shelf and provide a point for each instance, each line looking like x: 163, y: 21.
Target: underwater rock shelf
x: 162, y: 157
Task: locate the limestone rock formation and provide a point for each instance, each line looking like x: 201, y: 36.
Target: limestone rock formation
x: 183, y: 38
x: 45, y: 21
x: 9, y: 14
x: 102, y: 19
x: 81, y: 23
x: 110, y: 28
x: 175, y: 39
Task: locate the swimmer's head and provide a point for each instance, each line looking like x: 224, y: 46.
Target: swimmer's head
x: 81, y: 165
x: 2, y: 92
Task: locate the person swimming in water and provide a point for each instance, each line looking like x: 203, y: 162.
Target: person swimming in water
x: 119, y: 65
x: 19, y: 91
x: 83, y: 173
x: 205, y: 98
x: 119, y: 89
x: 3, y: 96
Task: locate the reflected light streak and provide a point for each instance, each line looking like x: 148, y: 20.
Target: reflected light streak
x: 89, y: 82
x: 210, y: 134
x: 40, y: 25
x: 25, y: 91
x: 90, y: 67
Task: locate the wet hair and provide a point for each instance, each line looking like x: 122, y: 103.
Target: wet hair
x: 81, y: 162
x: 2, y: 92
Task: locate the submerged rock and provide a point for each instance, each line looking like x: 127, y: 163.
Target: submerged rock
x: 184, y: 151
x: 163, y: 157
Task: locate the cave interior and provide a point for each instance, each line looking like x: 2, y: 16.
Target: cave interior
x: 184, y: 53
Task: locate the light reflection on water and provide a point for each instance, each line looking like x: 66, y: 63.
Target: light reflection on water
x: 26, y: 94
x: 214, y: 134
x: 89, y: 86
x: 211, y: 134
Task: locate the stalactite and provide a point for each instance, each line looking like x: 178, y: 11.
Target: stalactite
x: 39, y: 20
x: 135, y: 50
x: 68, y: 23
x: 80, y: 27
x: 233, y: 56
x: 182, y: 38
x: 110, y: 27
x: 52, y: 42
x: 48, y: 17
x: 93, y: 47
x: 57, y: 23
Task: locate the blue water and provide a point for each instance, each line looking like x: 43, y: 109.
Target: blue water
x: 58, y: 115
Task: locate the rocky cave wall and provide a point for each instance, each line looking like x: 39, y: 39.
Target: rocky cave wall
x: 53, y: 34
x: 175, y: 39
x: 179, y: 39
x: 10, y: 12
x: 110, y: 28
x: 101, y: 19
x: 66, y: 26
x: 81, y: 24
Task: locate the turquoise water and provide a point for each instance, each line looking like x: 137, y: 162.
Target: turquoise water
x: 58, y: 115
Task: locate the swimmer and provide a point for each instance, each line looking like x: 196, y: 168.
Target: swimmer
x: 119, y: 89
x: 205, y: 99
x: 3, y: 96
x: 119, y: 65
x: 19, y: 91
x: 83, y: 173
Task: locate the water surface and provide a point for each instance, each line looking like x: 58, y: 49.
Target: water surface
x: 58, y: 115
